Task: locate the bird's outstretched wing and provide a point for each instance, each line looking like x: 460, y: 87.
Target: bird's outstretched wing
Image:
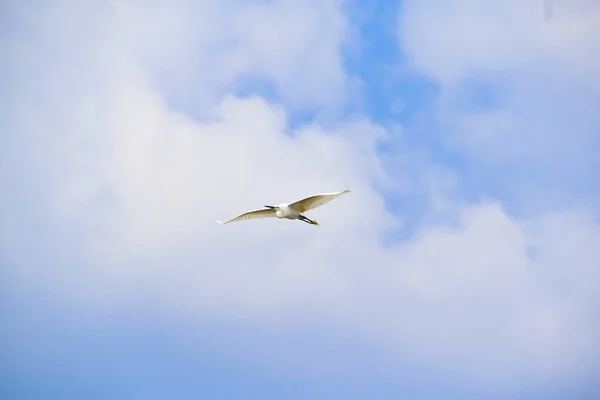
x: 315, y: 201
x: 266, y: 213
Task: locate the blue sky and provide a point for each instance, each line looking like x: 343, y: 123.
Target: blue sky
x: 464, y: 264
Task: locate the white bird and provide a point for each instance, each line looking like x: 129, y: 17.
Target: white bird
x: 290, y: 210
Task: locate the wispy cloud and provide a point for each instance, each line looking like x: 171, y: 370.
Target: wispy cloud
x: 521, y: 97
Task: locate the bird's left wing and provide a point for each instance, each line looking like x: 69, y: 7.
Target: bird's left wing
x: 266, y: 213
x: 316, y: 201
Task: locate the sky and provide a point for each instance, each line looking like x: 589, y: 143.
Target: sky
x: 465, y: 263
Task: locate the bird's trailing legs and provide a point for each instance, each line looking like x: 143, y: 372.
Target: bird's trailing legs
x: 308, y: 221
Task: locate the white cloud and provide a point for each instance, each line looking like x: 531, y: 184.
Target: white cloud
x: 132, y: 188
x: 544, y: 78
x: 137, y: 178
x: 541, y: 79
x: 476, y: 286
x: 200, y: 50
x: 472, y: 34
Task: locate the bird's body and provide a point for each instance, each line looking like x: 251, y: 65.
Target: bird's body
x: 289, y: 210
x: 285, y: 211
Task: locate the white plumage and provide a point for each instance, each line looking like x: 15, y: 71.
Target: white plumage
x: 290, y: 210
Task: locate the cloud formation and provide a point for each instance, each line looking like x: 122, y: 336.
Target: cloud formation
x: 127, y: 137
x: 521, y: 96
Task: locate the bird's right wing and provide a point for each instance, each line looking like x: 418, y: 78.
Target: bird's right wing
x: 266, y: 213
x: 316, y: 201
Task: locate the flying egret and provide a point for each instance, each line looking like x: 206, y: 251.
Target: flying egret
x: 290, y: 210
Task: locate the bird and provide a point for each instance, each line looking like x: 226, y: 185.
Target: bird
x: 292, y: 211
